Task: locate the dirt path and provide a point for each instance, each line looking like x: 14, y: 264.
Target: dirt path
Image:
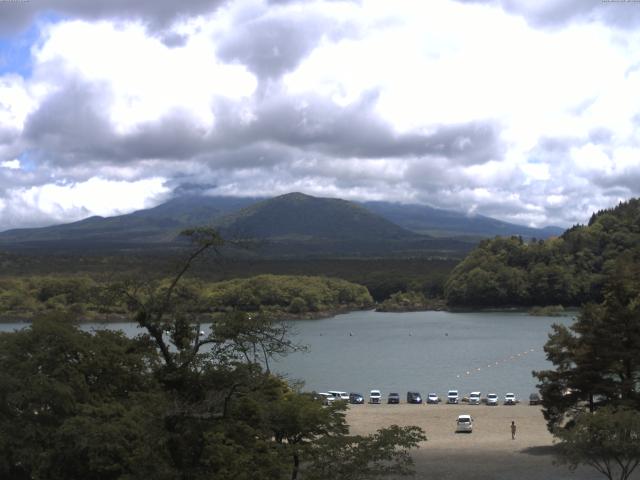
x: 488, y: 453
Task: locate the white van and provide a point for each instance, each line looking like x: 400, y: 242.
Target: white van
x: 375, y: 396
x: 464, y: 423
x: 452, y: 396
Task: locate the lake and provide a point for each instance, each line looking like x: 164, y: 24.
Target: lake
x: 423, y: 351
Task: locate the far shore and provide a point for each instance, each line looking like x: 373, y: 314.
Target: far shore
x: 288, y: 316
x: 122, y: 318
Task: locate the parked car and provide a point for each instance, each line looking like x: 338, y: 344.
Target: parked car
x: 492, y: 399
x: 464, y: 423
x: 340, y: 395
x: 510, y: 399
x: 452, y: 396
x: 393, y: 398
x: 433, y: 398
x: 534, y: 399
x: 356, y: 398
x: 414, y: 397
x: 474, y: 398
x: 375, y: 396
x: 327, y: 398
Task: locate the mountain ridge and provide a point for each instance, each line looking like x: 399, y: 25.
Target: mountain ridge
x: 293, y: 223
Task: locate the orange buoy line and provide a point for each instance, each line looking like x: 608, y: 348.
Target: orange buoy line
x: 496, y: 363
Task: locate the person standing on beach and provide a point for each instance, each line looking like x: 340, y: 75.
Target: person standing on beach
x: 513, y: 429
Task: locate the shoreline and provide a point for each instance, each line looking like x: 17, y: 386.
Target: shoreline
x: 115, y: 318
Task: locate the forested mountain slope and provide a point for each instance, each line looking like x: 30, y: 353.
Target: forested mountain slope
x: 567, y: 270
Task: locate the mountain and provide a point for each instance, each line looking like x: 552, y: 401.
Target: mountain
x: 447, y: 223
x: 291, y: 225
x: 160, y: 224
x: 301, y: 225
x: 297, y: 216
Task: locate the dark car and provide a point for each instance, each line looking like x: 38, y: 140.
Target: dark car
x: 393, y: 398
x: 414, y: 397
x: 534, y: 399
x: 356, y: 398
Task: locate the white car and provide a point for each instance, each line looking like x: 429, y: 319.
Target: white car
x: 452, y: 396
x: 464, y: 423
x: 340, y: 395
x: 510, y: 399
x: 375, y: 396
x: 474, y: 398
x: 327, y: 398
x: 492, y: 399
x: 433, y: 398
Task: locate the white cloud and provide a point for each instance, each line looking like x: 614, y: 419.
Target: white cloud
x: 146, y: 79
x: 16, y: 102
x: 53, y: 203
x: 374, y: 99
x: 11, y: 164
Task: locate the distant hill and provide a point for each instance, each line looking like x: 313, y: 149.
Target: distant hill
x: 447, y: 223
x: 289, y: 225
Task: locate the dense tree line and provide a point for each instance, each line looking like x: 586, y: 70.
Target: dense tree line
x: 568, y: 270
x: 176, y: 402
x: 24, y: 297
x: 295, y: 294
x: 382, y: 276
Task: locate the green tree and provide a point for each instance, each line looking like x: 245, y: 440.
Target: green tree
x: 607, y: 440
x: 61, y: 387
x: 298, y: 420
x: 596, y: 359
x: 384, y: 453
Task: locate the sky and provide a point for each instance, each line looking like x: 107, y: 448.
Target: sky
x: 525, y: 111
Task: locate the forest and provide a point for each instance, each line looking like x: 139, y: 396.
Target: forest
x: 23, y: 298
x: 568, y: 270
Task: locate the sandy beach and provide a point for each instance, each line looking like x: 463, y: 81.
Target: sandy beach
x: 488, y: 453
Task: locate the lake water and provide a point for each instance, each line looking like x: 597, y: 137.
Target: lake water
x: 423, y: 351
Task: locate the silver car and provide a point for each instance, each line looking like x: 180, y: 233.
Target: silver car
x: 474, y: 398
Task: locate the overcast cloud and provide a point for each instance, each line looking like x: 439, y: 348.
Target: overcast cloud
x: 524, y: 111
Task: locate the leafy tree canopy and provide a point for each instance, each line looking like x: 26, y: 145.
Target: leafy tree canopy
x: 568, y: 270
x: 607, y: 440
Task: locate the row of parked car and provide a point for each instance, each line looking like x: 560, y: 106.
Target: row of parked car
x: 453, y: 397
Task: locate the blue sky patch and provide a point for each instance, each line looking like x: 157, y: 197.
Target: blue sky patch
x: 27, y: 161
x: 15, y: 50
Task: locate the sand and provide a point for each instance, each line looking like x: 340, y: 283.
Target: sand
x: 488, y: 453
